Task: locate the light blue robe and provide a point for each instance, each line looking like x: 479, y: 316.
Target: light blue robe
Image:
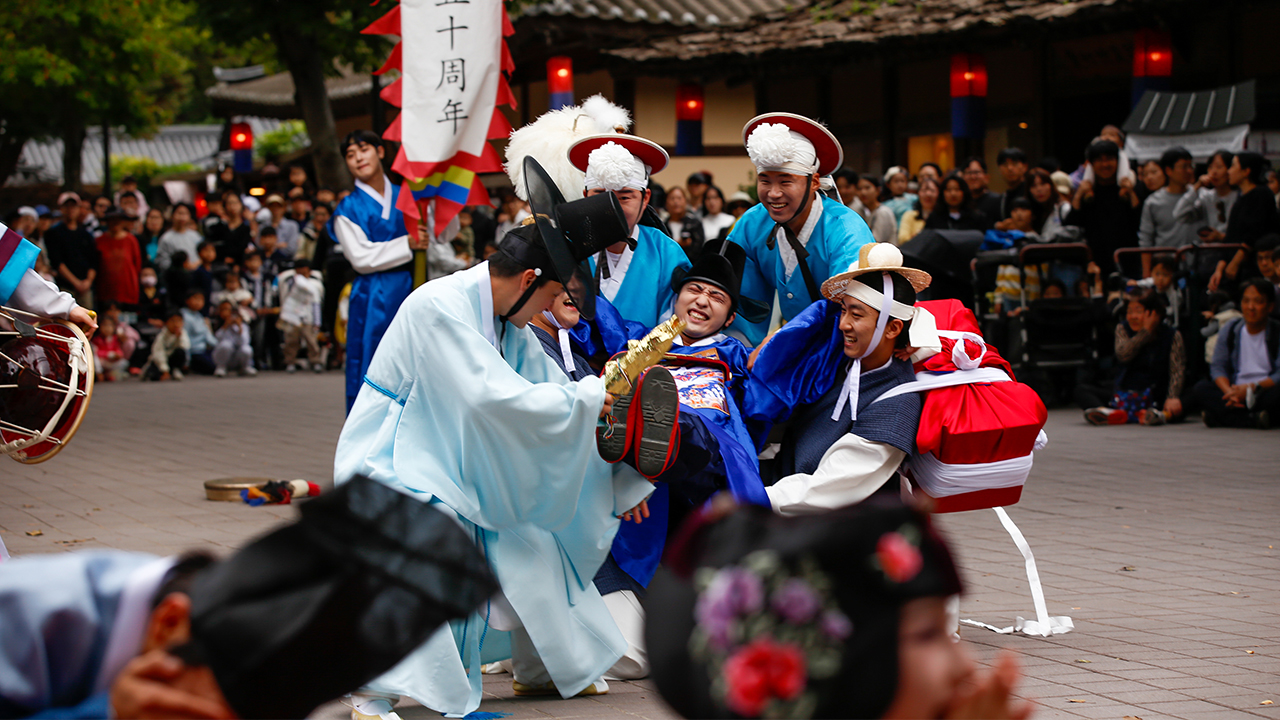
x: 69, y: 622
x: 832, y: 248
x: 375, y: 296
x: 507, y: 443
x: 645, y: 296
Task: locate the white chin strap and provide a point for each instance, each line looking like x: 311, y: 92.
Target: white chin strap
x: 922, y: 334
x: 562, y: 334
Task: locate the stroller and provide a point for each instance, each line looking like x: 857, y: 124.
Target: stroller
x: 1059, y: 340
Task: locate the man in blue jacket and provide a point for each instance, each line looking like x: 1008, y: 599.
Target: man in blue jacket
x: 796, y: 237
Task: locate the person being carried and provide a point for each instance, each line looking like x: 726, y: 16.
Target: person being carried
x: 462, y: 408
x: 827, y: 370
x: 797, y: 237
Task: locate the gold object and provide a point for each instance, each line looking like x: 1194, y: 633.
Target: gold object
x: 228, y: 489
x: 620, y: 374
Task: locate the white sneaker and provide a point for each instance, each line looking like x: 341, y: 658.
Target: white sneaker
x: 220, y: 372
x: 176, y: 374
x: 249, y: 370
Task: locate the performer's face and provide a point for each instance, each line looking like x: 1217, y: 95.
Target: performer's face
x: 704, y: 308
x: 633, y: 203
x: 858, y: 325
x: 565, y: 312
x: 782, y: 193
x: 364, y: 161
x: 931, y: 668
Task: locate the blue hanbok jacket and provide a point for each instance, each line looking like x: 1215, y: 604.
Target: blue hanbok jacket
x: 646, y: 292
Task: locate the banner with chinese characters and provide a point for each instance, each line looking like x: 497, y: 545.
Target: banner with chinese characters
x: 454, y: 66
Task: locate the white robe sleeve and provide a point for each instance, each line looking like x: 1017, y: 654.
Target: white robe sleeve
x: 36, y: 295
x: 850, y: 471
x: 370, y: 257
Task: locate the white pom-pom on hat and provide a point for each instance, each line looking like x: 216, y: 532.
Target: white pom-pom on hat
x: 613, y: 167
x: 884, y: 255
x: 774, y: 146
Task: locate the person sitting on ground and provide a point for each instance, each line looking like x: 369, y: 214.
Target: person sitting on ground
x: 199, y: 334
x: 232, y: 292
x: 233, y: 350
x: 880, y: 218
x: 843, y: 443
x: 1152, y: 366
x: 1241, y: 390
x: 169, y: 351
x: 1221, y: 310
x: 110, y: 358
x: 300, y: 297
x: 845, y: 614
x: 915, y: 219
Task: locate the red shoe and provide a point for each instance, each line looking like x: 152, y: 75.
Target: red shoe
x: 613, y: 439
x: 656, y: 422
x: 1106, y: 416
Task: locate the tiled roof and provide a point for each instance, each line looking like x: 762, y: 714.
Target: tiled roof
x: 1169, y: 113
x: 697, y: 13
x: 272, y: 96
x: 41, y: 161
x: 832, y: 22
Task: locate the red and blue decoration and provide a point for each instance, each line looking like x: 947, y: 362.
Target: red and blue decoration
x: 689, y: 107
x: 968, y: 96
x: 242, y: 145
x: 1152, y: 62
x: 560, y: 81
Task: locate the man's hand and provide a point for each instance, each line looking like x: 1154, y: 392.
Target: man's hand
x: 1126, y: 192
x: 1083, y: 194
x: 84, y: 318
x: 990, y: 695
x: 1235, y: 395
x: 1215, y: 280
x: 143, y: 690
x: 423, y: 240
x: 1150, y: 320
x: 751, y: 359
x: 637, y: 513
x: 1172, y: 407
x: 608, y: 405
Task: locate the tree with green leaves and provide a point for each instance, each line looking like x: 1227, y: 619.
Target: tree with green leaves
x: 72, y: 64
x: 312, y: 38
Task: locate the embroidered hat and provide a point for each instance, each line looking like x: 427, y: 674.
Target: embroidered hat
x: 614, y: 162
x: 785, y: 142
x: 768, y: 616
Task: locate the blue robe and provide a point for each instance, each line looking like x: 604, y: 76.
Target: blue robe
x: 375, y: 297
x: 832, y: 248
x: 646, y: 294
x: 17, y: 256
x: 68, y: 624
x: 506, y: 443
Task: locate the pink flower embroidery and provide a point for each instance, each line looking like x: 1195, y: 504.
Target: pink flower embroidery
x: 761, y: 671
x: 899, y: 559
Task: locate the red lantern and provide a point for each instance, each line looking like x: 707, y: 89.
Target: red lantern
x: 560, y: 75
x: 1152, y: 54
x: 968, y: 75
x: 241, y: 136
x: 689, y: 102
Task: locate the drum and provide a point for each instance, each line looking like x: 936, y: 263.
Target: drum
x: 46, y: 382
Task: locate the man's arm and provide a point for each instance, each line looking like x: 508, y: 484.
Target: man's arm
x: 850, y: 471
x: 366, y: 256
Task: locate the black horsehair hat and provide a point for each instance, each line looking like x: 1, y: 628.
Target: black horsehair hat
x: 791, y: 616
x: 563, y: 235
x: 721, y: 263
x: 334, y: 600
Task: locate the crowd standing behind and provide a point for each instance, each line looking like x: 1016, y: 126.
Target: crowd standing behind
x: 263, y: 282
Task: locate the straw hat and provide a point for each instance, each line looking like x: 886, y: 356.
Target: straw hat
x: 875, y: 258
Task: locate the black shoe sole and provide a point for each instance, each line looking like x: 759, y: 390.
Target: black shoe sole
x: 659, y: 412
x: 611, y: 441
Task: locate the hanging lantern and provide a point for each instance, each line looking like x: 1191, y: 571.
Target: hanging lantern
x: 241, y: 139
x: 1152, y: 62
x: 560, y: 81
x: 968, y: 96
x: 689, y: 107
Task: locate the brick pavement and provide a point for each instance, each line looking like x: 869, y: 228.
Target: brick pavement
x: 1158, y: 542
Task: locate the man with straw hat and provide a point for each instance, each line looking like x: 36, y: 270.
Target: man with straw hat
x: 796, y: 237
x: 849, y: 431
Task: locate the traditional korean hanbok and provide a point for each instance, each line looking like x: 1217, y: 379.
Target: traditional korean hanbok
x: 638, y: 282
x: 471, y: 415
x: 372, y: 234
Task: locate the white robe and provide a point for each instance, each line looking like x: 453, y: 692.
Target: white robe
x: 507, y: 443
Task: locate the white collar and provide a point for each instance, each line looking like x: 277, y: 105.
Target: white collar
x: 487, y: 316
x: 132, y: 613
x: 789, y: 260
x: 709, y: 340
x: 383, y: 198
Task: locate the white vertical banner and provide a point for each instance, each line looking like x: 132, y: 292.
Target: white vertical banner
x: 451, y: 59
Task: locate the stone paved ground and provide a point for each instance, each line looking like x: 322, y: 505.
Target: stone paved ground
x: 1158, y: 542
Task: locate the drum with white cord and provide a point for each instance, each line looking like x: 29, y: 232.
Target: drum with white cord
x: 46, y: 383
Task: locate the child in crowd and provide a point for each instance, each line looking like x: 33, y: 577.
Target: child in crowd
x: 170, y: 350
x: 1152, y: 366
x: 240, y: 298
x: 233, y: 350
x: 300, y: 298
x: 275, y: 259
x: 262, y: 287
x: 841, y: 615
x: 202, y: 278
x: 1164, y: 269
x: 1221, y: 311
x: 200, y: 337
x: 109, y: 355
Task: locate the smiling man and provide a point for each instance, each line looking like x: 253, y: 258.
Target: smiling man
x: 849, y: 431
x: 635, y: 274
x: 796, y: 237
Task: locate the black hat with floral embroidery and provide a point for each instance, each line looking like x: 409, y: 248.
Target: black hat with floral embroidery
x: 767, y: 616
